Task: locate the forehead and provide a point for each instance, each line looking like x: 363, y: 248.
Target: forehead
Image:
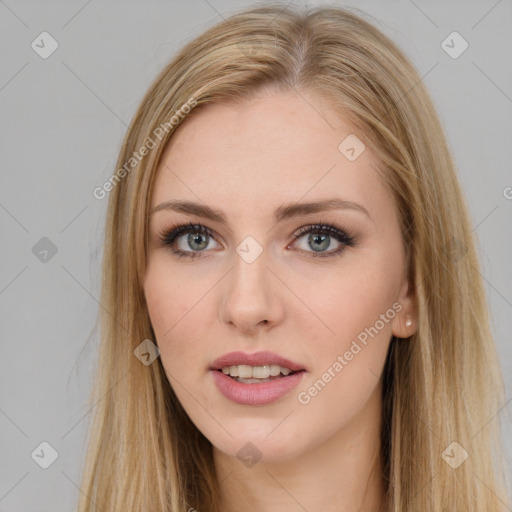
x: 256, y: 154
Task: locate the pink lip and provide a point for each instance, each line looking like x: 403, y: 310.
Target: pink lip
x: 257, y: 393
x: 256, y: 359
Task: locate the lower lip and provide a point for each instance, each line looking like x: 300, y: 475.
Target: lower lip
x: 256, y: 394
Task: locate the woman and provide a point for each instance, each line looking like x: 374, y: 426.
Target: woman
x: 293, y: 314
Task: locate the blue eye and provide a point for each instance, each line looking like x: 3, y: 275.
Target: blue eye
x: 320, y: 236
x: 198, y: 238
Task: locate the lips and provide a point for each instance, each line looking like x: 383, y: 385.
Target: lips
x: 256, y: 394
x: 256, y: 359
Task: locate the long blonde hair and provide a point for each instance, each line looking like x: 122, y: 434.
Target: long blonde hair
x: 443, y: 385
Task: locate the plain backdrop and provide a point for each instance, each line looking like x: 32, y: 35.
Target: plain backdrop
x: 63, y: 120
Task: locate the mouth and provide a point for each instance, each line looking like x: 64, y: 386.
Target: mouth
x: 255, y: 368
x: 255, y: 379
x: 257, y: 374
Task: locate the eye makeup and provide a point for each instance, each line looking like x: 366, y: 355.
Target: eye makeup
x: 171, y: 236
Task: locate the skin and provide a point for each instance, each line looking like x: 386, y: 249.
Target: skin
x: 246, y: 160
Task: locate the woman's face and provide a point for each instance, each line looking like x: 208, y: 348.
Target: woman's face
x: 328, y: 300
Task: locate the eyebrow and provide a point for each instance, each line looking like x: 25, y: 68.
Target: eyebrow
x: 285, y: 211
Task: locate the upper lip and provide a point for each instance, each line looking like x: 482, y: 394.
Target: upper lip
x: 256, y: 359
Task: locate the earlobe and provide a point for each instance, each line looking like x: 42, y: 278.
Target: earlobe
x: 405, y: 323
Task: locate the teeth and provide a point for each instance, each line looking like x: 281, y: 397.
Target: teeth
x: 275, y: 370
x: 245, y: 371
x: 259, y: 372
x: 252, y: 381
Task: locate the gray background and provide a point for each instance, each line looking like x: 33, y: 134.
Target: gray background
x: 63, y: 121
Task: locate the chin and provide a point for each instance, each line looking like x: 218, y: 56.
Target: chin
x: 258, y: 446
x: 250, y: 453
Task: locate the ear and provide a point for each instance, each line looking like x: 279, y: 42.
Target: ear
x: 405, y: 323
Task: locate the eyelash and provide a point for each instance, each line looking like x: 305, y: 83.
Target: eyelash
x: 168, y: 237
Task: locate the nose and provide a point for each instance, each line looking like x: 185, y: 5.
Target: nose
x: 252, y: 296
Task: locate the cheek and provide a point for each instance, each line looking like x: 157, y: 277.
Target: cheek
x: 344, y: 302
x: 347, y: 365
x: 172, y: 305
x: 358, y: 303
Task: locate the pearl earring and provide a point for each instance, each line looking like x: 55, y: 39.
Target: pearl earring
x: 408, y: 321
